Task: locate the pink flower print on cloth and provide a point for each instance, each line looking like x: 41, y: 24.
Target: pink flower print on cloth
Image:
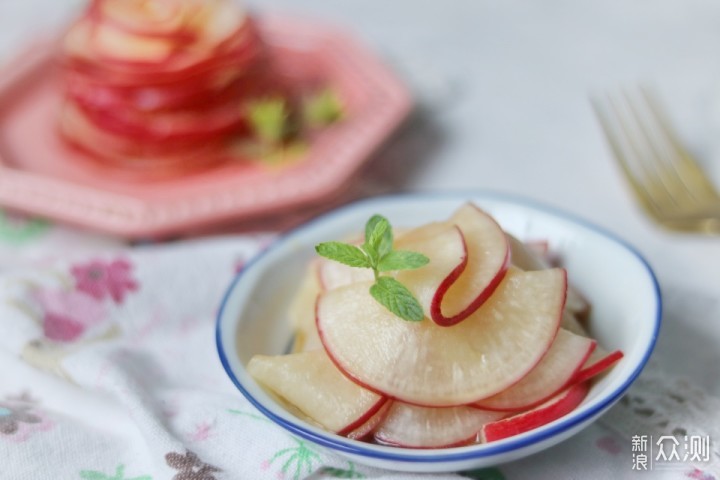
x: 100, y: 279
x: 67, y: 315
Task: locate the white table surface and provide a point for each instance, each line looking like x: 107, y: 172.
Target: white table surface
x: 503, y: 92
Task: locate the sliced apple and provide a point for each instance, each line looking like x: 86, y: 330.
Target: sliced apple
x: 176, y: 157
x: 600, y: 361
x: 488, y: 259
x: 527, y: 257
x: 209, y: 90
x: 577, y: 304
x: 555, y: 408
x: 443, y: 244
x: 335, y: 275
x: 364, y: 431
x: 159, y: 19
x: 82, y: 55
x: 311, y: 383
x: 425, y: 364
x: 447, y: 249
x: 572, y: 324
x: 301, y: 312
x: 411, y: 426
x: 171, y: 127
x: 558, y: 367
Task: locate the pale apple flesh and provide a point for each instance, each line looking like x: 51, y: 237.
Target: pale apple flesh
x: 571, y: 323
x: 310, y: 382
x: 520, y: 360
x: 426, y: 364
x: 443, y: 244
x: 301, y: 312
x: 529, y: 257
x: 411, y: 426
x: 557, y: 369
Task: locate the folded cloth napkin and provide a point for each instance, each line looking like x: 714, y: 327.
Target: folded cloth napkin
x: 108, y: 371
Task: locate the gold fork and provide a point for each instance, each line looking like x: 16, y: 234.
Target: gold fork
x: 666, y: 179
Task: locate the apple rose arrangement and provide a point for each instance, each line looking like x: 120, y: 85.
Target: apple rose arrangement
x: 451, y: 334
x: 168, y: 85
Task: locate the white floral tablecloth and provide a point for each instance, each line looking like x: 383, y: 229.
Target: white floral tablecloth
x: 109, y: 372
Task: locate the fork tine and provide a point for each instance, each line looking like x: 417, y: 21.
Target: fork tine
x: 626, y: 151
x: 684, y: 165
x: 665, y: 178
x: 659, y: 159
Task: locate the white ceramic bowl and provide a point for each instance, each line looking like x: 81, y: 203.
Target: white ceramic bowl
x: 618, y: 282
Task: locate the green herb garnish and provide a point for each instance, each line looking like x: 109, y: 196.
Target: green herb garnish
x: 322, y: 108
x: 377, y: 254
x: 269, y: 120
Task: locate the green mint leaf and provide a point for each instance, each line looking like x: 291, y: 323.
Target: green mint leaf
x: 378, y: 237
x: 394, y: 296
x: 344, y: 253
x: 401, y: 260
x: 269, y: 119
x: 322, y: 108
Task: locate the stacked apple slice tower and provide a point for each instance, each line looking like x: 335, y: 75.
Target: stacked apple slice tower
x: 160, y: 85
x: 500, y: 352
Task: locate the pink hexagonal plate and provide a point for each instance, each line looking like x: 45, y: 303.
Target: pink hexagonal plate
x: 39, y: 174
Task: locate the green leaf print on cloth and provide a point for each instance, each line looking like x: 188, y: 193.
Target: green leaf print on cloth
x: 297, y: 462
x: 349, y: 472
x: 17, y: 229
x: 118, y: 475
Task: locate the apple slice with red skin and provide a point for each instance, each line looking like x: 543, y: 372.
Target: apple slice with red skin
x: 424, y: 364
x: 447, y: 248
x: 87, y: 38
x: 188, y: 126
x: 127, y: 27
x: 208, y: 90
x: 488, y: 260
x: 171, y: 127
x: 364, y: 431
x: 123, y: 15
x: 178, y: 157
x: 460, y: 292
x: 558, y: 406
x: 600, y: 361
x: 239, y: 50
x: 557, y: 369
x: 411, y: 426
x: 443, y: 244
x: 528, y: 258
x: 311, y: 383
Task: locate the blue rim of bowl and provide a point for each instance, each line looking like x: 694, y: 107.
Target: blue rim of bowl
x: 509, y: 445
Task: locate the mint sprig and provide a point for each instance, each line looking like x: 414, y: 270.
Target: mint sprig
x: 269, y: 120
x: 377, y: 253
x: 323, y: 108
